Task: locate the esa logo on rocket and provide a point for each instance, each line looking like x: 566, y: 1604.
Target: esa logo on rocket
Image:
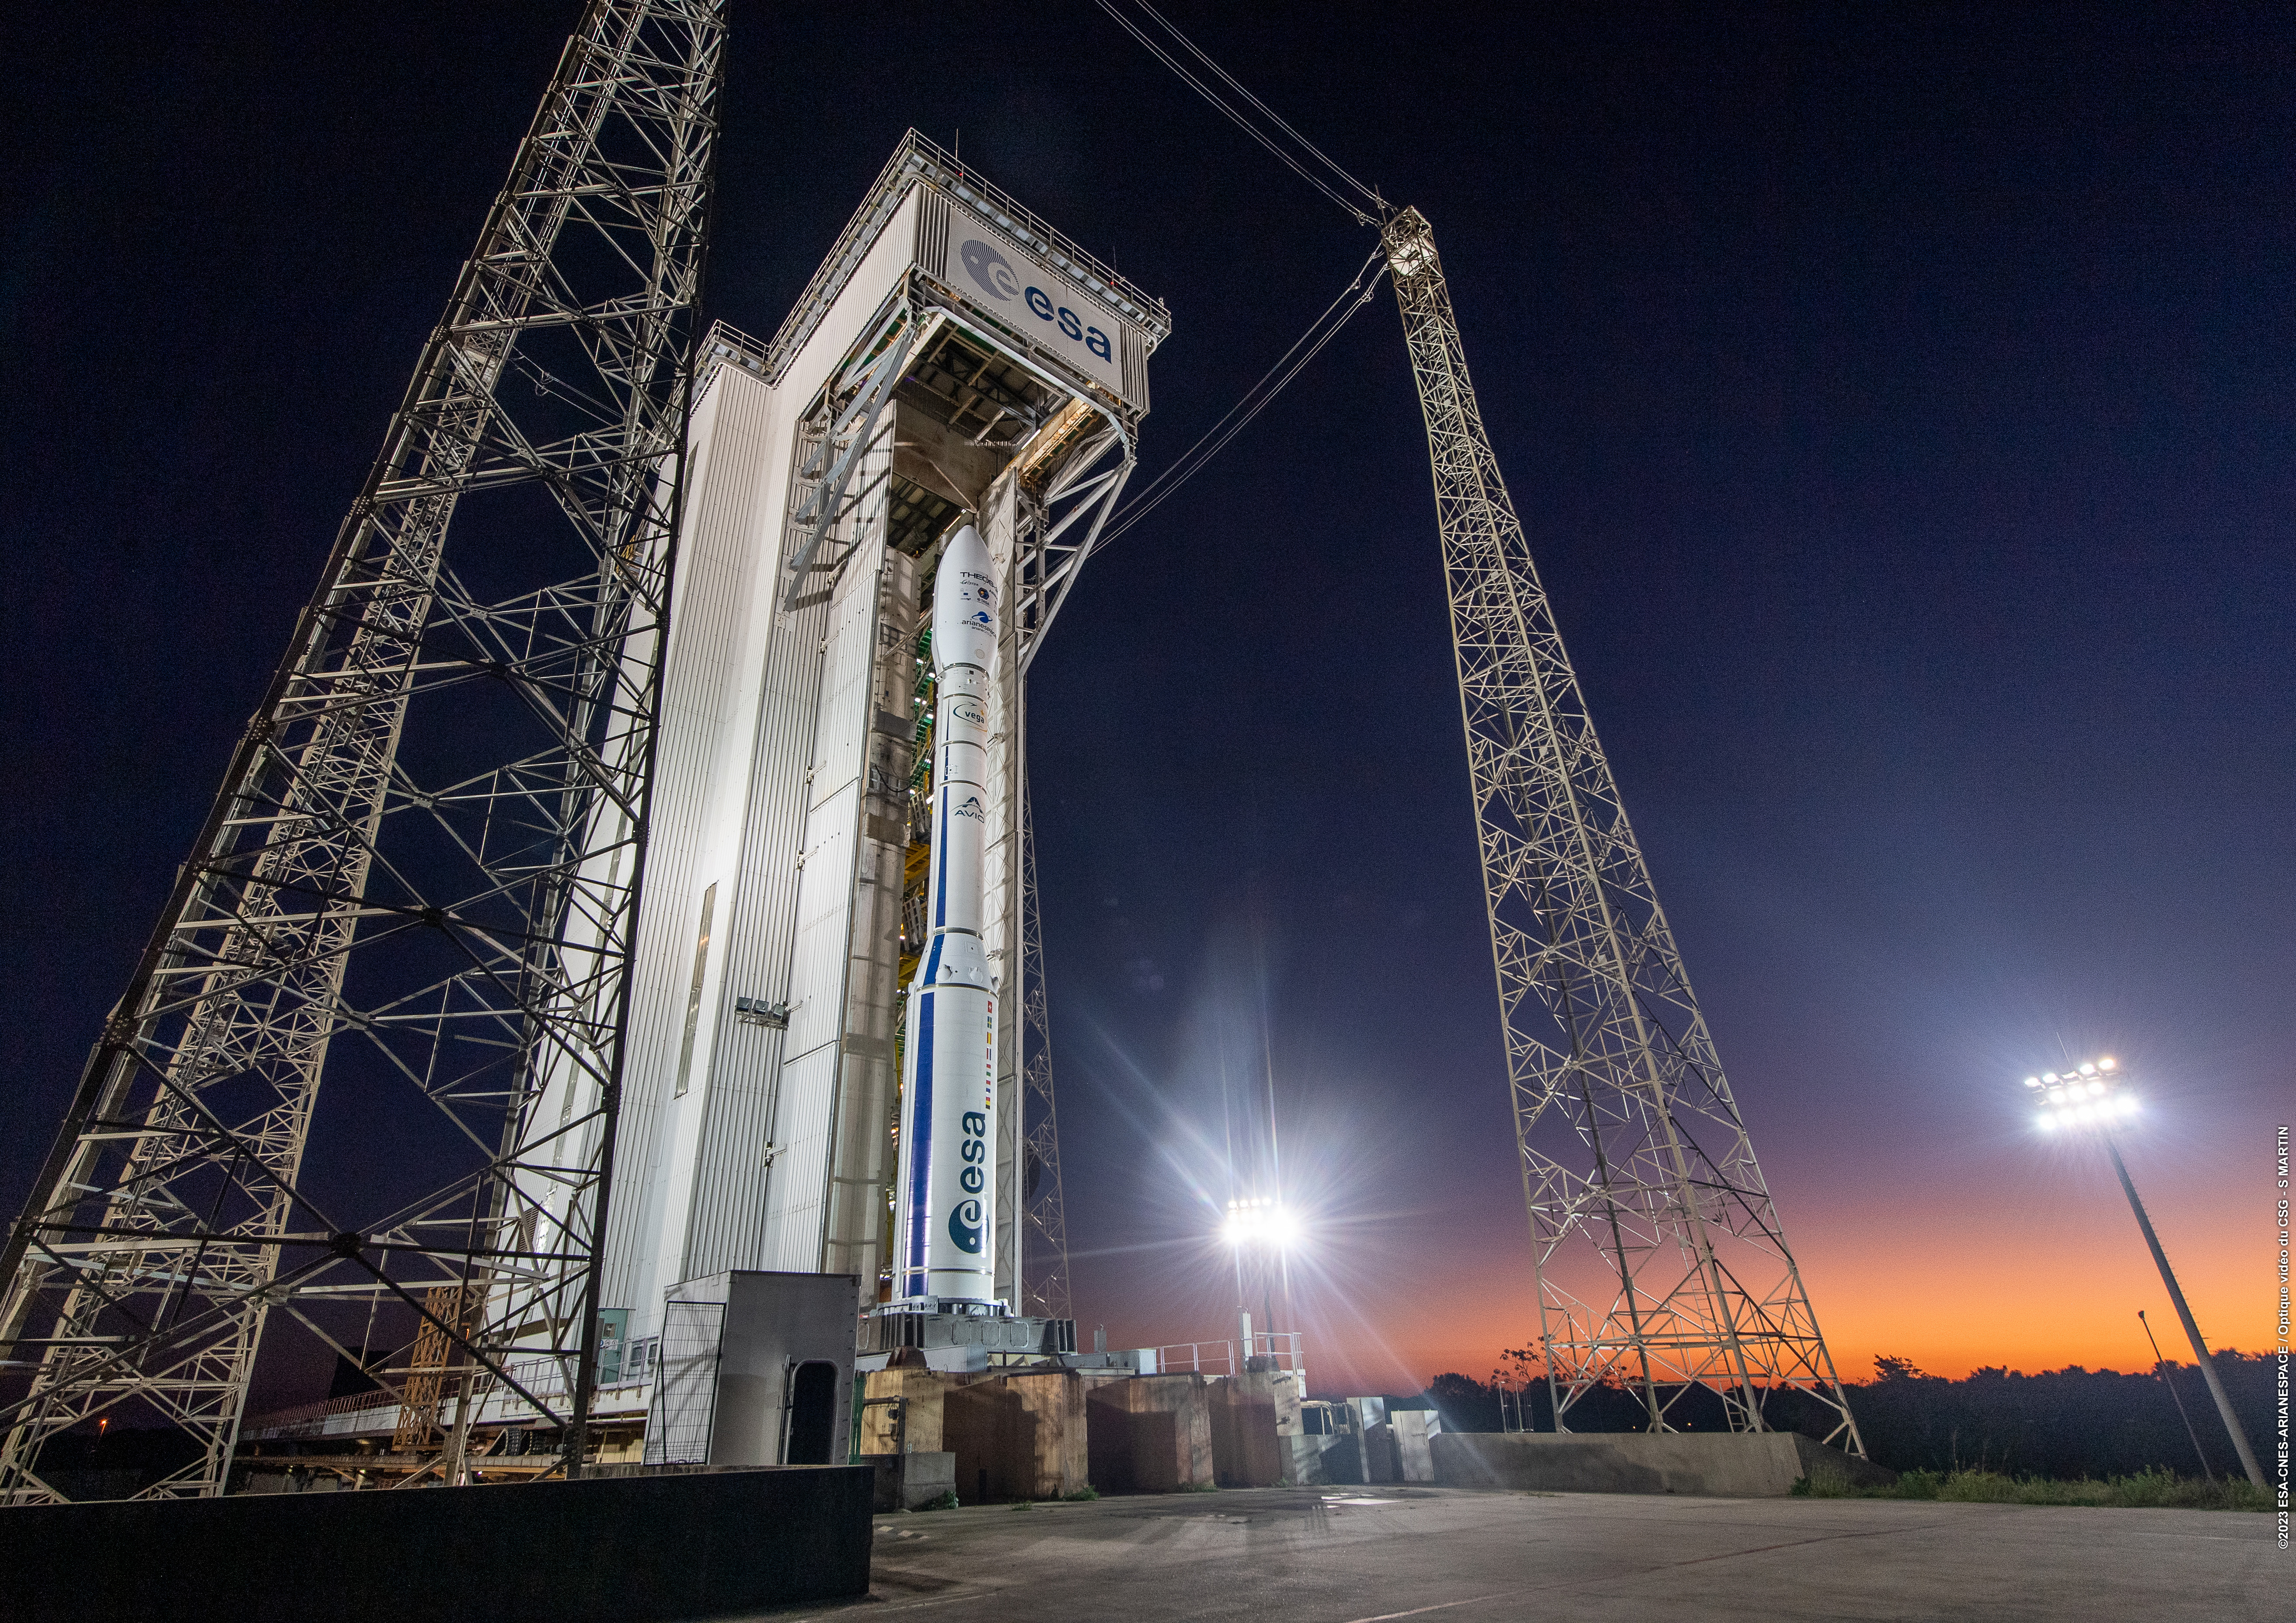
x: 992, y: 274
x: 965, y: 1222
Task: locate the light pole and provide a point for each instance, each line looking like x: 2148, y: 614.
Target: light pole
x: 2089, y: 1099
x: 1262, y: 1224
x: 2161, y: 1372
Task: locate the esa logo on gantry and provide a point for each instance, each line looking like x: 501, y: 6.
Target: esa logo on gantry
x: 993, y: 274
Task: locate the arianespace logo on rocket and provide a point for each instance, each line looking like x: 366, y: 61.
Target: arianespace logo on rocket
x: 992, y: 272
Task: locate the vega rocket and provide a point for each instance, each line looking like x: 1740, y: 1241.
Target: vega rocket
x: 945, y: 1237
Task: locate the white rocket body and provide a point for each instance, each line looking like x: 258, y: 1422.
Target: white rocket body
x: 945, y: 1240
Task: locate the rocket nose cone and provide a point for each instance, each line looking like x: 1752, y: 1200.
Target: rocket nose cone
x: 966, y: 550
x: 966, y: 607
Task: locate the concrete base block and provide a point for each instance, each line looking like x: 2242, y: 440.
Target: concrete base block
x: 1017, y: 1437
x: 910, y: 1481
x: 1151, y: 1434
x: 1747, y: 1466
x: 1247, y: 1449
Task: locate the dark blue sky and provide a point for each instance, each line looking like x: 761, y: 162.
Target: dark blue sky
x: 1900, y: 404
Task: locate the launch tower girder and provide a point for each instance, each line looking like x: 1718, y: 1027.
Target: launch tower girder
x: 419, y: 876
x: 1662, y: 1261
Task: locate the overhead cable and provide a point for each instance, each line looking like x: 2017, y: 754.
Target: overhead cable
x: 1269, y: 113
x: 1245, y: 124
x: 1320, y: 332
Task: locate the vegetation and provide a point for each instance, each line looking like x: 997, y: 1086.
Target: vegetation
x: 2073, y: 1428
x: 945, y: 1501
x: 1086, y: 1492
x: 2147, y: 1489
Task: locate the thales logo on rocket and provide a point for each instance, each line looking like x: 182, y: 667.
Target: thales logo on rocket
x: 992, y: 272
x: 964, y: 1224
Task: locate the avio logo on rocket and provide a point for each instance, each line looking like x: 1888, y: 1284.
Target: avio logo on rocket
x: 993, y: 274
x: 964, y: 1224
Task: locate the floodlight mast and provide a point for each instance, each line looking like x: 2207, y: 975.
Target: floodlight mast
x: 1637, y: 1168
x: 421, y: 873
x: 2085, y: 1099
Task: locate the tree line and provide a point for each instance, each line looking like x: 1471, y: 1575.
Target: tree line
x: 2065, y: 1423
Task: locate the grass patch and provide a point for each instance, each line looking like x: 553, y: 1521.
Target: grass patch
x: 1200, y: 1487
x: 945, y: 1501
x: 1086, y: 1492
x: 1025, y: 1504
x: 2146, y: 1491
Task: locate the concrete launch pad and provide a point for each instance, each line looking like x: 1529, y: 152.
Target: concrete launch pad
x: 1278, y: 1556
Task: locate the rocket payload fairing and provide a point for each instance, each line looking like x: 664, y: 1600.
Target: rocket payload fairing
x: 946, y: 1239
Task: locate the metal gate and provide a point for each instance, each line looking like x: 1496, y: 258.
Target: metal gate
x: 684, y: 1408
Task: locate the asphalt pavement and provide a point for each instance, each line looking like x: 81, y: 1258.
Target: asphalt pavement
x: 1375, y: 1555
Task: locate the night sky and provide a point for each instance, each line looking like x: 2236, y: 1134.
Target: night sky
x: 1899, y: 401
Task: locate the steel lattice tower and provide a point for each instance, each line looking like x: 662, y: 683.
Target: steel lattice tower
x: 419, y: 880
x: 1045, y: 1242
x: 1662, y: 1262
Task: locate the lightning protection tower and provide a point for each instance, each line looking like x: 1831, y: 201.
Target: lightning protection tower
x: 1661, y: 1263
x: 419, y: 880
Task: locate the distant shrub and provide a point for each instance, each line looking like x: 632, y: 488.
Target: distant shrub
x: 2145, y: 1490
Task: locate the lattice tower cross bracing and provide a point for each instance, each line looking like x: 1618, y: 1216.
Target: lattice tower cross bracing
x: 419, y: 876
x: 1661, y: 1263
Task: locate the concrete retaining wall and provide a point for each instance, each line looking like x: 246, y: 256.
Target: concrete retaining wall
x: 622, y: 1550
x: 1759, y: 1465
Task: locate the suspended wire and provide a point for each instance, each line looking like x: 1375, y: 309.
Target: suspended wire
x: 1241, y: 122
x: 1325, y: 327
x: 1320, y: 332
x: 1269, y: 113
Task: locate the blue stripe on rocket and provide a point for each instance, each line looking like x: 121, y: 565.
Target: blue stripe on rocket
x: 920, y: 1153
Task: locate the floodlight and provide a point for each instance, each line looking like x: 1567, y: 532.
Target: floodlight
x: 2092, y: 1098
